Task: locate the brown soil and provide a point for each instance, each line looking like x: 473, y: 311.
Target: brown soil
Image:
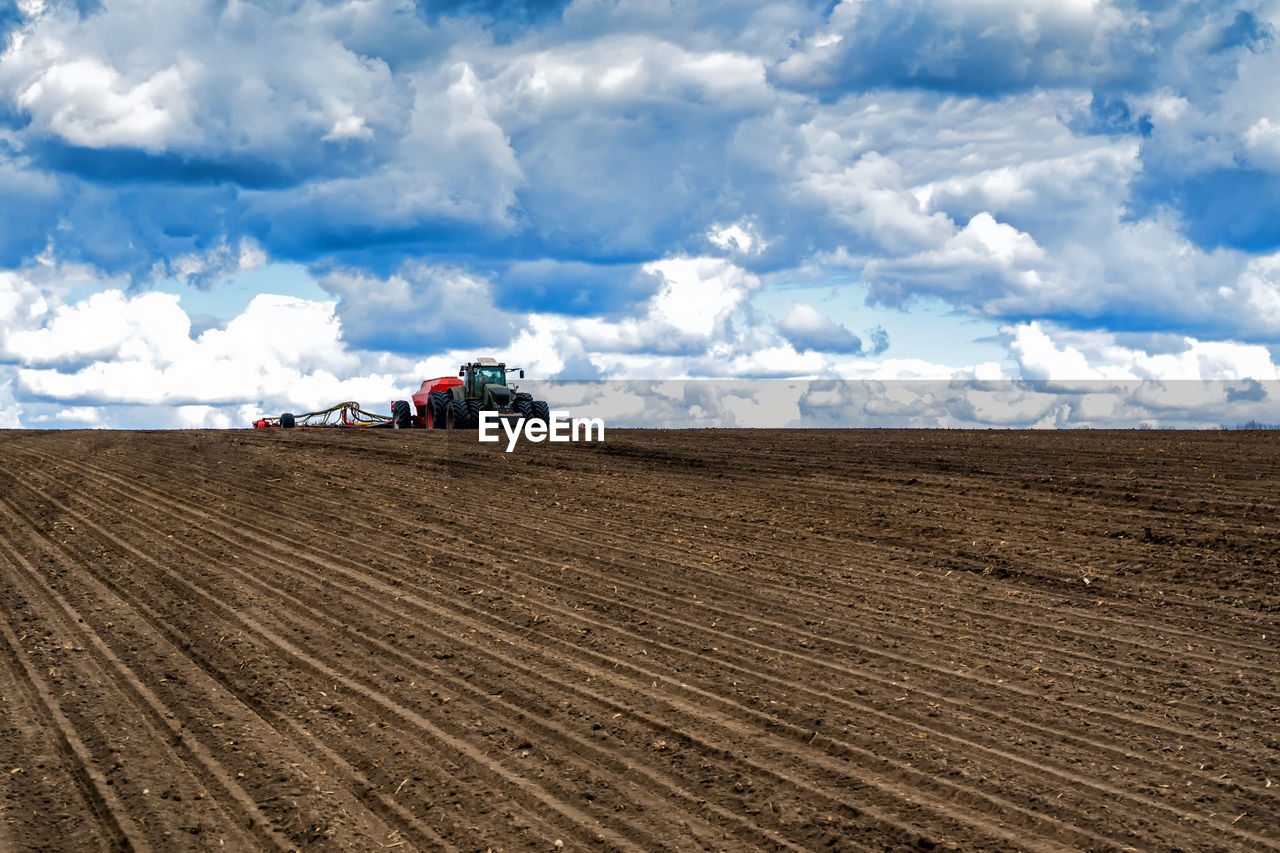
x: 688, y: 640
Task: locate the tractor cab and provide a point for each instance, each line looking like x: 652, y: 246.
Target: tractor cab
x: 486, y: 380
x: 485, y: 375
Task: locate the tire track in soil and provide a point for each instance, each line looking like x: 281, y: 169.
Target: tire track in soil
x: 1146, y: 804
x: 390, y: 651
x: 834, y: 484
x: 833, y: 554
x: 118, y: 830
x: 355, y: 780
x: 40, y: 795
x: 993, y: 683
x: 199, y: 761
x: 497, y: 773
x: 655, y: 538
x: 877, y: 818
x: 790, y: 684
x: 726, y: 590
x: 1010, y: 660
x: 682, y: 628
x: 219, y: 697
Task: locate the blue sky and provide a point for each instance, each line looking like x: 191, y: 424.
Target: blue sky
x: 215, y: 209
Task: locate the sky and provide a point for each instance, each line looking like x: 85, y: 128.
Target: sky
x: 215, y: 209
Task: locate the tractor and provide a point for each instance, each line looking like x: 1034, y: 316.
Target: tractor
x: 445, y: 403
x: 456, y: 403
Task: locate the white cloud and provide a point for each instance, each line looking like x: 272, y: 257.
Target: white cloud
x: 420, y: 308
x: 452, y: 162
x: 81, y: 414
x: 1066, y: 355
x: 10, y: 409
x: 90, y: 104
x: 207, y: 417
x: 1263, y: 142
x: 618, y: 72
x: 969, y: 45
x: 742, y: 237
x: 692, y: 306
x: 629, y: 134
x: 23, y: 304
x: 899, y: 369
x: 808, y: 328
x: 108, y: 326
x: 872, y: 197
x: 220, y: 262
x: 279, y: 351
x: 985, y: 258
x: 235, y: 79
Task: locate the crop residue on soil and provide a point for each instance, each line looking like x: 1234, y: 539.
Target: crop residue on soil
x: 689, y: 640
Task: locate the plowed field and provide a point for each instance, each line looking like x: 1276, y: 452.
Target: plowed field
x: 673, y: 640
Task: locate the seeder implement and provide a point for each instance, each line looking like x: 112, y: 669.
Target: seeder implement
x: 347, y: 414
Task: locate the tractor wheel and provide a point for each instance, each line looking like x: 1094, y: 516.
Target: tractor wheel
x: 473, y: 414
x: 287, y: 421
x: 455, y: 416
x: 524, y: 407
x: 540, y: 411
x: 401, y: 416
x: 437, y: 404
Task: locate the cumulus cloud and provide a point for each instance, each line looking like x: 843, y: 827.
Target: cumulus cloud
x: 419, y: 308
x: 607, y: 189
x: 692, y: 306
x: 10, y: 409
x: 740, y: 237
x: 965, y: 46
x: 808, y: 328
x: 137, y: 350
x: 1073, y: 355
x: 985, y: 259
x: 90, y: 104
x: 82, y: 79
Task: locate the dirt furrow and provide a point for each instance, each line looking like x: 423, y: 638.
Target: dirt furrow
x: 1032, y: 694
x: 1150, y: 803
x: 671, y: 640
x: 1208, y: 718
x: 1088, y: 617
x: 115, y: 827
x: 373, y: 695
x: 835, y: 801
x: 217, y: 715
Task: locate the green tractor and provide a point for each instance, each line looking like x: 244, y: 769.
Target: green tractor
x: 483, y: 387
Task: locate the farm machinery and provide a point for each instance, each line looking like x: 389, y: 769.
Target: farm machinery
x: 448, y: 402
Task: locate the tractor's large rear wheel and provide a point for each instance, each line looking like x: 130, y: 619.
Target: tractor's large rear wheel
x: 525, y: 408
x: 437, y: 406
x: 540, y: 411
x: 456, y: 415
x: 473, y: 414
